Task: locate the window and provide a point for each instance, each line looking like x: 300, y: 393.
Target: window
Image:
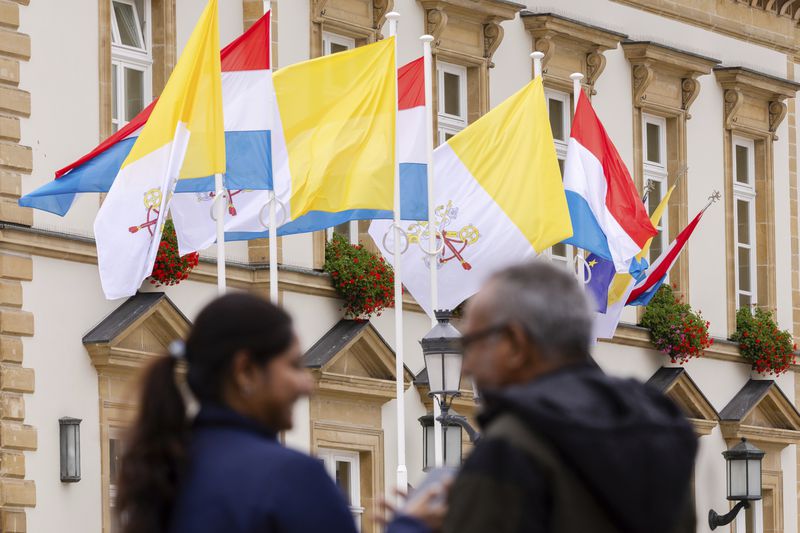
x: 452, y: 113
x: 114, y: 458
x: 131, y: 60
x: 654, y: 146
x: 331, y: 44
x: 559, y: 108
x: 744, y: 216
x: 345, y: 469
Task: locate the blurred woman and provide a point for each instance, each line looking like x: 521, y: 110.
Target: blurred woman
x: 225, y: 471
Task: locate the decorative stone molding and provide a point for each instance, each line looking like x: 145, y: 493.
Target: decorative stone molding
x: 677, y: 385
x: 362, y: 20
x: 664, y: 83
x: 354, y: 370
x: 763, y: 94
x: 760, y: 411
x: 663, y: 77
x: 763, y: 22
x: 468, y: 28
x: 570, y: 46
x: 119, y: 347
x: 754, y: 108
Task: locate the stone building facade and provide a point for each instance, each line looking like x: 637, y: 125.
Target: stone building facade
x: 702, y: 91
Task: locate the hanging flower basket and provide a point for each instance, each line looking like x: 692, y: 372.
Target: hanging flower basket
x: 761, y: 343
x: 675, y: 329
x: 362, y: 279
x: 170, y: 268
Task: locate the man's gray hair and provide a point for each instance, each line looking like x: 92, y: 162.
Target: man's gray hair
x: 549, y: 304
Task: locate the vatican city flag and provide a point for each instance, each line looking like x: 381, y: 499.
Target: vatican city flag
x: 334, y: 136
x: 499, y: 201
x: 182, y: 139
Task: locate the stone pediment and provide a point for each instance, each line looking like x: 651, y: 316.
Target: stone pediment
x: 760, y: 411
x: 353, y: 358
x: 139, y: 329
x: 677, y: 385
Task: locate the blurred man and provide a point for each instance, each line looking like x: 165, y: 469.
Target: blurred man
x: 565, y: 448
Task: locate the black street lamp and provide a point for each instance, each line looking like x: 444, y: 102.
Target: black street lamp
x: 441, y: 348
x: 744, y: 480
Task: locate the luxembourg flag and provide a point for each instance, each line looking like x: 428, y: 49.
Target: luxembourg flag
x: 608, y: 218
x: 246, y: 93
x: 183, y: 139
x: 644, y: 291
x: 246, y: 215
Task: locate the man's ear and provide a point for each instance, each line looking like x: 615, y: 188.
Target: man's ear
x: 521, y: 346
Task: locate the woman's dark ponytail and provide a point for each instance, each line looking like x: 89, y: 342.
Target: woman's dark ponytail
x: 155, y: 452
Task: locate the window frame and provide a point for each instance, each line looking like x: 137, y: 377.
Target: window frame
x: 656, y: 173
x: 142, y: 25
x: 567, y: 260
x: 451, y: 124
x: 330, y: 457
x: 745, y: 193
x: 329, y: 38
x: 123, y: 57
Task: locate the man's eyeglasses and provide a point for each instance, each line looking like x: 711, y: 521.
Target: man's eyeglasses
x: 470, y: 340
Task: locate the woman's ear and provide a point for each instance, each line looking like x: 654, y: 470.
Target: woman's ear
x: 243, y: 372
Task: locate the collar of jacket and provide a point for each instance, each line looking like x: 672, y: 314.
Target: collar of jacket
x: 215, y: 415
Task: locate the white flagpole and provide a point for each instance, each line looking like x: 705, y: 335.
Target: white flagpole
x: 438, y: 444
x: 273, y: 230
x: 576, y: 78
x: 220, y: 205
x: 402, y: 472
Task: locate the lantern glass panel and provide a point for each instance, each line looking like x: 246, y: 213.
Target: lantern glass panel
x: 737, y: 479
x: 433, y: 362
x: 452, y: 446
x: 429, y: 459
x: 754, y: 478
x: 452, y: 371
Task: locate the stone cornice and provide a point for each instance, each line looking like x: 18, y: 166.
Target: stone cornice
x: 551, y: 32
x: 761, y: 90
x: 650, y: 60
x: 721, y: 350
x: 46, y: 243
x: 484, y: 17
x: 728, y: 18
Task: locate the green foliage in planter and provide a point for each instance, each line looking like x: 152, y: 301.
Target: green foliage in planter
x: 362, y: 279
x: 169, y: 267
x: 675, y: 329
x: 761, y: 343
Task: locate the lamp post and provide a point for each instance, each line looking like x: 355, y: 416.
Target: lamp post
x: 744, y: 480
x: 441, y: 348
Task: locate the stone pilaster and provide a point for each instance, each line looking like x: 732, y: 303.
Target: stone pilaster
x: 16, y: 161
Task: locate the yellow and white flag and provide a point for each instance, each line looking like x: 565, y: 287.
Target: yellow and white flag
x: 182, y: 139
x: 499, y: 201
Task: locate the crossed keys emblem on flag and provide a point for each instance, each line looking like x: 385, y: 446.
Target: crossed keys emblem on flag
x: 152, y: 202
x: 209, y: 196
x: 448, y: 241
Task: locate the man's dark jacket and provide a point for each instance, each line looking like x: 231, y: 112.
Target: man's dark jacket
x: 611, y: 453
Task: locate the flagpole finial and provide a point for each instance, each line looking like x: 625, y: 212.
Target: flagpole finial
x: 537, y: 64
x: 426, y: 38
x: 393, y: 15
x: 576, y: 76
